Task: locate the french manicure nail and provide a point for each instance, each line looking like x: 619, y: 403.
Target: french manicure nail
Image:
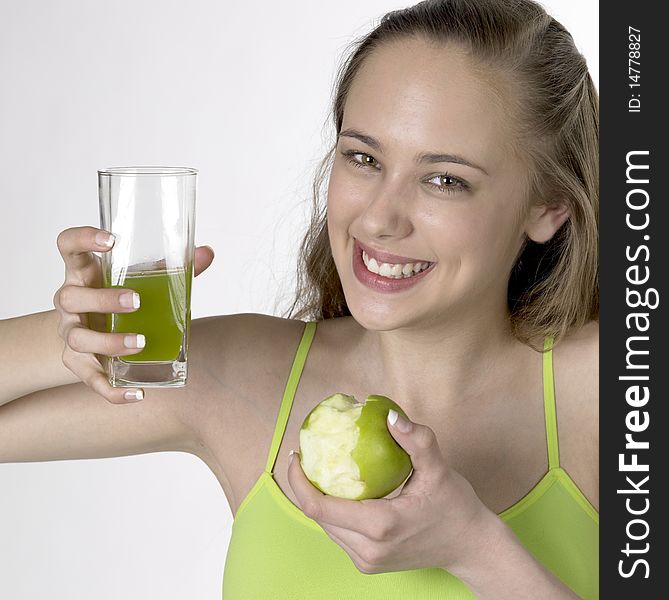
x: 105, y: 239
x: 129, y: 300
x: 134, y: 341
x: 399, y: 422
x: 134, y: 395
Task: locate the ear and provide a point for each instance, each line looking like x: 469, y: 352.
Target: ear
x: 544, y: 220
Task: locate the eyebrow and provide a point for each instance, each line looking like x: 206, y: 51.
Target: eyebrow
x: 423, y: 157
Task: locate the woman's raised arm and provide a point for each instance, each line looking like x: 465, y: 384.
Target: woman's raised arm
x: 54, y: 348
x: 55, y: 400
x: 31, y: 356
x: 74, y: 422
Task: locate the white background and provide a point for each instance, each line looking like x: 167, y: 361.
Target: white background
x: 239, y: 91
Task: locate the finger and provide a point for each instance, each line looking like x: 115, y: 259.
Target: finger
x: 349, y: 540
x: 84, y: 340
x: 76, y: 244
x: 99, y: 383
x: 87, y: 368
x: 367, y: 517
x: 421, y: 443
x: 78, y: 299
x: 333, y: 533
x: 204, y: 255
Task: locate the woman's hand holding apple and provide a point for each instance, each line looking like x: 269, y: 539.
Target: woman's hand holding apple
x: 437, y: 520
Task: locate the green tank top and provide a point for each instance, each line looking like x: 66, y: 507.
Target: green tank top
x: 277, y: 553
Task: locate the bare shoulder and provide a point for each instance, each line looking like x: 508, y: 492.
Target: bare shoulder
x: 245, y: 360
x: 243, y: 356
x: 576, y: 368
x: 576, y: 361
x: 224, y: 339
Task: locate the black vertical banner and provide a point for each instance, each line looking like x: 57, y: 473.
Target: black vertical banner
x: 634, y: 429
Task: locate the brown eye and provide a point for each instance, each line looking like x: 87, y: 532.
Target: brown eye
x: 446, y: 183
x: 361, y: 160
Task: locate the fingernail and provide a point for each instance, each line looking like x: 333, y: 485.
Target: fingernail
x: 291, y: 455
x: 134, y: 395
x: 129, y: 300
x: 399, y: 422
x: 105, y: 239
x: 134, y: 341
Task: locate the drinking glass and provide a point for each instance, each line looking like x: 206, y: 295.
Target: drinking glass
x: 151, y: 212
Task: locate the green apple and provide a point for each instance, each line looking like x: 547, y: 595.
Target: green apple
x: 347, y: 451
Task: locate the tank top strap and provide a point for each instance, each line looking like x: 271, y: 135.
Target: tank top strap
x: 549, y: 405
x: 289, y: 393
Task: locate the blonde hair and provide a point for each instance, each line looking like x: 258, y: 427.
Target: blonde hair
x: 553, y: 287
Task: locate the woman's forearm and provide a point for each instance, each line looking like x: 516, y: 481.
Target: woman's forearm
x: 498, y: 567
x: 31, y: 356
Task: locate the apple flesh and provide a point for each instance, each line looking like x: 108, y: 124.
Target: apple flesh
x: 347, y: 451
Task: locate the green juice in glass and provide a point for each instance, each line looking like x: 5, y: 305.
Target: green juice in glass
x: 163, y: 316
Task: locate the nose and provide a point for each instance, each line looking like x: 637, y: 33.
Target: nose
x: 387, y: 213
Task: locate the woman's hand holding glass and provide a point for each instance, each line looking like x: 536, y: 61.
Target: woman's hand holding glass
x: 82, y: 304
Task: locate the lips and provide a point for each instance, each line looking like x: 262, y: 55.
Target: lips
x: 384, y: 284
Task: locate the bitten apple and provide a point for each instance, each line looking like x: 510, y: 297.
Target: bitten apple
x: 347, y: 451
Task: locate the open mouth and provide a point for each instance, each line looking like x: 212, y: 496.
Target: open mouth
x: 394, y: 270
x: 387, y: 276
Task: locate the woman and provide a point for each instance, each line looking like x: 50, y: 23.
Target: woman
x: 457, y: 247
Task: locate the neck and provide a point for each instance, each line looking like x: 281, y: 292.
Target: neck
x: 432, y: 365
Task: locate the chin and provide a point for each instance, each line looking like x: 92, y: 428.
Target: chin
x: 378, y: 316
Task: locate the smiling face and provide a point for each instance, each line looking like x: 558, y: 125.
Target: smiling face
x: 424, y: 172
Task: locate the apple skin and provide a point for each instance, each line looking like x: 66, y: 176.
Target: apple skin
x: 382, y: 463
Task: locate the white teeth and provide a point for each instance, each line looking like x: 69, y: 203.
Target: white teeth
x: 385, y: 270
x: 399, y: 271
